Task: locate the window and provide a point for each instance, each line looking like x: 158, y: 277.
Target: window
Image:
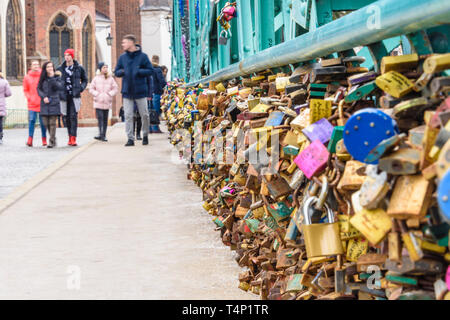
x: 61, y: 39
x: 87, y: 48
x: 14, y: 45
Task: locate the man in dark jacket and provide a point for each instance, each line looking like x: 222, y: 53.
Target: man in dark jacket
x: 75, y: 81
x: 158, y: 85
x: 135, y: 68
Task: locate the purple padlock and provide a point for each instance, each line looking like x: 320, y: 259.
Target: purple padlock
x: 320, y: 130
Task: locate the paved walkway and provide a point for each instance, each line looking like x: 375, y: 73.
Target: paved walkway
x: 122, y: 223
x: 19, y: 163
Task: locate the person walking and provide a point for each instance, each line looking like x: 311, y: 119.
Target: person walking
x: 30, y: 83
x: 158, y: 85
x: 5, y: 92
x: 75, y: 81
x: 135, y: 68
x: 50, y: 88
x: 103, y: 87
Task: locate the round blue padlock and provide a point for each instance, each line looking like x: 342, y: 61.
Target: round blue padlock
x: 443, y: 195
x: 365, y: 130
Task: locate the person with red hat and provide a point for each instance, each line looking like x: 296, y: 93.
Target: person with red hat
x: 75, y: 82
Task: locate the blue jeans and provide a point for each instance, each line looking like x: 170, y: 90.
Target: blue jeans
x: 32, y: 117
x: 156, y: 106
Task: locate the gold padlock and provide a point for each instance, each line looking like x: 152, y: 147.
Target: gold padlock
x: 321, y: 239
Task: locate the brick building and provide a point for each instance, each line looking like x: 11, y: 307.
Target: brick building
x: 42, y: 29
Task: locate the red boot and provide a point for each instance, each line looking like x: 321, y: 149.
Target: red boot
x: 70, y: 143
x: 30, y: 141
x: 44, y: 142
x: 74, y: 141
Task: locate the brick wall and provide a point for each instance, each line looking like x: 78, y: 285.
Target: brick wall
x: 30, y: 27
x: 128, y: 20
x: 77, y: 10
x: 124, y: 14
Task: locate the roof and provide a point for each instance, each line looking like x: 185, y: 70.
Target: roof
x: 100, y: 17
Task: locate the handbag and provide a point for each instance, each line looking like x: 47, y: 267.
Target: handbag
x: 154, y: 118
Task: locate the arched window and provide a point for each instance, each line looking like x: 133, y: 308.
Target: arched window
x: 87, y: 48
x: 61, y: 38
x: 14, y: 43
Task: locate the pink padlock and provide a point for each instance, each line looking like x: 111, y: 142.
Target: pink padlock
x: 447, y: 278
x: 313, y: 159
x: 229, y: 12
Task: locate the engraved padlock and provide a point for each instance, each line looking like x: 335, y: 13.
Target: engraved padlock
x: 321, y: 239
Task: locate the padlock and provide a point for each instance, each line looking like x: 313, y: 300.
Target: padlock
x: 443, y: 196
x: 365, y: 130
x: 223, y: 38
x: 374, y: 188
x: 320, y: 130
x: 319, y: 109
x: 373, y: 224
x: 321, y: 239
x: 404, y: 161
x: 410, y: 198
x: 395, y: 84
x: 313, y: 159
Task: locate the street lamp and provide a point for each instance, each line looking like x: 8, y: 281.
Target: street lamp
x: 169, y: 23
x: 109, y: 39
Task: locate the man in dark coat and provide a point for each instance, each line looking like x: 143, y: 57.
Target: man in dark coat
x: 159, y: 83
x: 75, y: 81
x: 135, y: 68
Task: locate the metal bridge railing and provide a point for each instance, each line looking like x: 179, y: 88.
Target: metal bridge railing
x: 17, y: 118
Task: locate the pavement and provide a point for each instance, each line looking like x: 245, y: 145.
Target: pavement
x: 109, y: 222
x: 18, y: 163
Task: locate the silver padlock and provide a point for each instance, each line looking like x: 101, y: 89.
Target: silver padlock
x: 223, y: 39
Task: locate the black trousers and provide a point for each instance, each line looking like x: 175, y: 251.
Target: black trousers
x: 137, y: 124
x: 1, y: 127
x: 71, y: 119
x: 102, y: 117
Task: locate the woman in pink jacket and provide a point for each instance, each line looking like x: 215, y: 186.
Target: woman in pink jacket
x: 103, y: 88
x: 5, y: 91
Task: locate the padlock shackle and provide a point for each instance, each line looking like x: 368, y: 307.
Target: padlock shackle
x: 308, y: 203
x: 323, y: 194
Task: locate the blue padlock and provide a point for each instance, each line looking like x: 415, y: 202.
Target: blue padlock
x: 365, y: 130
x: 444, y: 196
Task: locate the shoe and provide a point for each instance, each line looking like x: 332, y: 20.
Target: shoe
x: 145, y: 141
x: 158, y: 131
x: 98, y: 138
x: 49, y: 146
x: 70, y: 143
x: 44, y: 142
x: 104, y: 139
x: 74, y: 142
x: 130, y: 143
x: 30, y: 141
x: 138, y: 137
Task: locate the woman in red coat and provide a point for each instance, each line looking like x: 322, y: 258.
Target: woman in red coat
x: 30, y: 83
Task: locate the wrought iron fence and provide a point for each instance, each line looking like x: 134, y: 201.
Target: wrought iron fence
x: 17, y: 118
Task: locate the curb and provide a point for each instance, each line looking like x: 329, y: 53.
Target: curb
x: 22, y: 190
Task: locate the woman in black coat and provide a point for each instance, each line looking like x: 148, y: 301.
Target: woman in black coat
x: 50, y: 88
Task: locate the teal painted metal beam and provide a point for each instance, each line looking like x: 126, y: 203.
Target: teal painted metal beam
x: 398, y: 17
x: 223, y: 50
x: 245, y: 29
x: 265, y: 17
